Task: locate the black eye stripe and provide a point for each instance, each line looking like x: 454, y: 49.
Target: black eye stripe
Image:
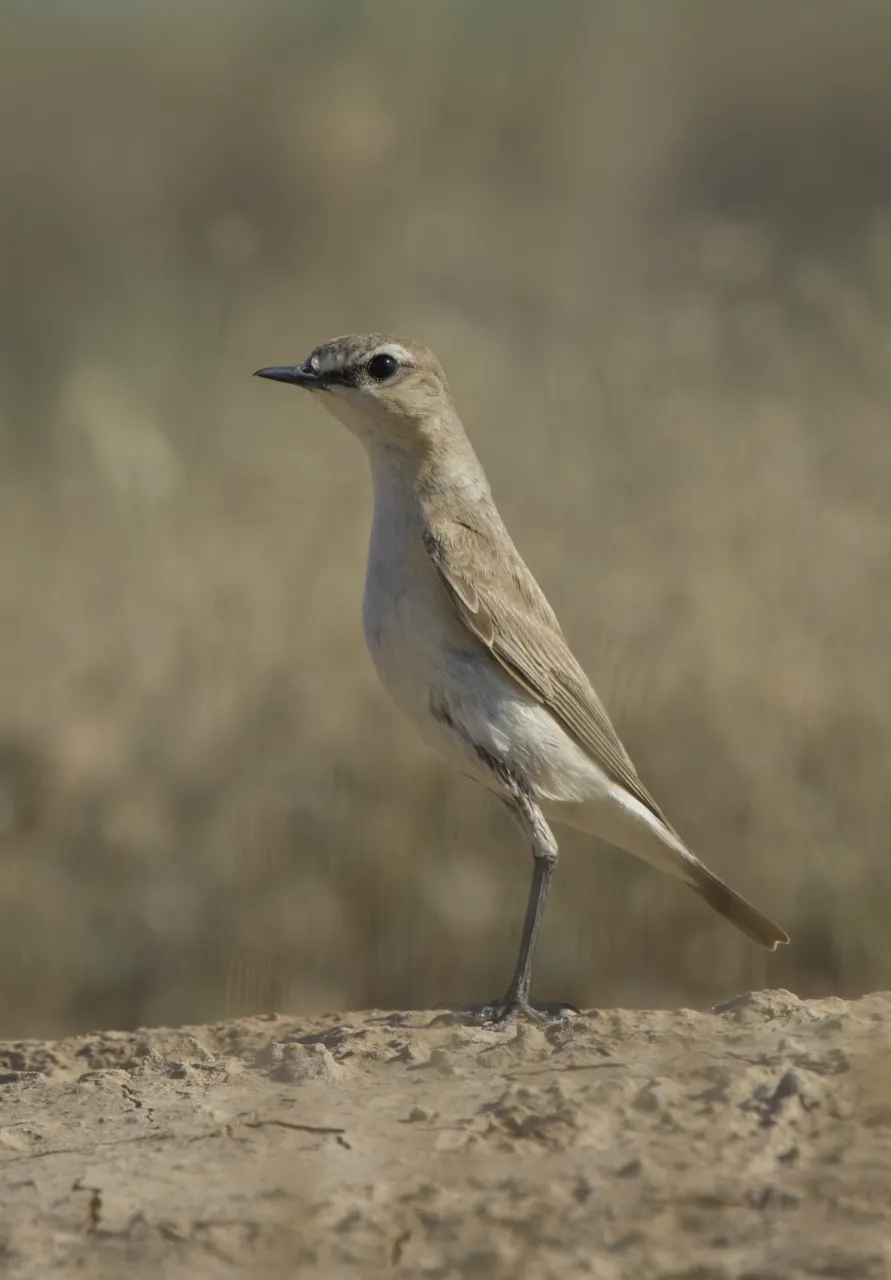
x: 381, y: 366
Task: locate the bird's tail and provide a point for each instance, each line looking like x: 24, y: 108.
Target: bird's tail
x: 734, y: 908
x: 627, y: 823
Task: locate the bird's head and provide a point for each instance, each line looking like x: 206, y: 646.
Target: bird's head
x: 385, y: 390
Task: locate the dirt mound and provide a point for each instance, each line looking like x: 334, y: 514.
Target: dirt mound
x: 751, y: 1141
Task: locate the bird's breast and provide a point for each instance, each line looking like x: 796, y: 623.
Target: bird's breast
x: 407, y: 616
x: 442, y: 677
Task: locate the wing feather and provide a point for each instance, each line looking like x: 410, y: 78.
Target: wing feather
x: 500, y: 602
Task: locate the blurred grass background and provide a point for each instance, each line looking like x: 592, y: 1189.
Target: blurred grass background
x: 652, y: 245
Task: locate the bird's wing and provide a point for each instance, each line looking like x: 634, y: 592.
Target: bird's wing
x: 500, y: 602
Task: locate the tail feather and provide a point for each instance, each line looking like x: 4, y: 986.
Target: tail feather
x: 625, y: 822
x: 734, y: 908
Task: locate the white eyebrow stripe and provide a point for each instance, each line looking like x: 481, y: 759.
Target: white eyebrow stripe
x: 328, y: 364
x: 393, y: 349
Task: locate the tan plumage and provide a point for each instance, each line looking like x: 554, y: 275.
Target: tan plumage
x: 466, y: 642
x: 500, y: 602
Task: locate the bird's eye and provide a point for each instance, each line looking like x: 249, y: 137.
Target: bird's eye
x: 381, y: 367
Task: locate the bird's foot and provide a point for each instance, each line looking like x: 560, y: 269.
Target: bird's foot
x: 500, y: 1013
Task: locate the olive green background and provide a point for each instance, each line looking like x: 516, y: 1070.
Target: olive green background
x: 652, y: 245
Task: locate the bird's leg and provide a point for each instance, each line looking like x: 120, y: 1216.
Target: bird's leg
x: 541, y: 841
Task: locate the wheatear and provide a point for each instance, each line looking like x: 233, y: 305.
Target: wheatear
x: 467, y: 645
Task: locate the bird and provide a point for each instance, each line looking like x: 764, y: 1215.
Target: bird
x: 468, y: 647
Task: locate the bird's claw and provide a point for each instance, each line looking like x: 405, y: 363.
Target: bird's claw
x: 498, y: 1014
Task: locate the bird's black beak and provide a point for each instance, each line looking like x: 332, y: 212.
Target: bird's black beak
x: 299, y: 375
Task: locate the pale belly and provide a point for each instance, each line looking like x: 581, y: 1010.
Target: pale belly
x: 463, y: 703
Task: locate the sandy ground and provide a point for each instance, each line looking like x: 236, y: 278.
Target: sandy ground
x: 752, y: 1141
